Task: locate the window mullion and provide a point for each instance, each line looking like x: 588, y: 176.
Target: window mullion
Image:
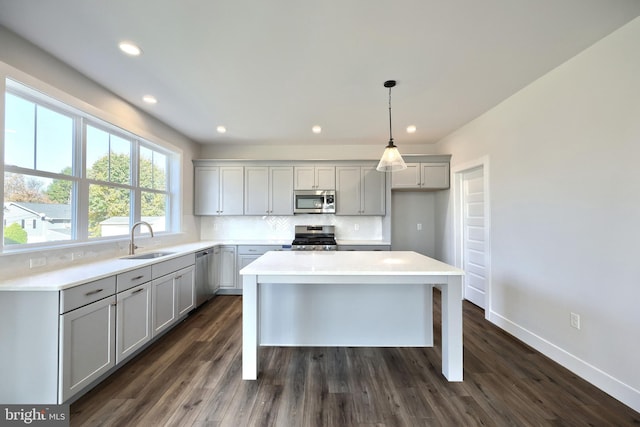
x: 136, y: 209
x: 81, y: 207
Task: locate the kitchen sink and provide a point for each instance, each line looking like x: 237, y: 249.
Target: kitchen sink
x: 148, y: 255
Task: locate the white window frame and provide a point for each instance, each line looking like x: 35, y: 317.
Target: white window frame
x: 80, y: 220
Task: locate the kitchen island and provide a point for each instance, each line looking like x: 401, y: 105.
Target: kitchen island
x: 366, y: 298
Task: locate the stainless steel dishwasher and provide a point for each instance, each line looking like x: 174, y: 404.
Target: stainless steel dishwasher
x: 204, y: 276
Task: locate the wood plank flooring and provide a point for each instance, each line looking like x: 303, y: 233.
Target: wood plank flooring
x: 192, y: 377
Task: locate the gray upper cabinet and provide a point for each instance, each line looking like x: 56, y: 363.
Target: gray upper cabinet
x: 360, y: 190
x: 315, y: 177
x: 219, y: 190
x: 268, y: 190
x: 425, y: 176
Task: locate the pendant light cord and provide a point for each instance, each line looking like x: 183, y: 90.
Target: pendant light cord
x: 390, y: 135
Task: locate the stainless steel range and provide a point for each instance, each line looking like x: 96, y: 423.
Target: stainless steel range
x: 314, y: 238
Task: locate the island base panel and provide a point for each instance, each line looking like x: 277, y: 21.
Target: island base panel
x: 353, y: 315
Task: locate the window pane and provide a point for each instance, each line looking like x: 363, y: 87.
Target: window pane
x: 159, y: 171
x: 108, y: 157
x: 97, y: 154
x: 36, y: 209
x: 154, y: 206
x: 120, y: 160
x: 153, y: 169
x: 19, y: 132
x: 54, y: 141
x: 108, y: 211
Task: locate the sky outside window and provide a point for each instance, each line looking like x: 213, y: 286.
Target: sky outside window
x: 37, y: 137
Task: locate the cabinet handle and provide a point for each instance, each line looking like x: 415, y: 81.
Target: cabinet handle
x: 137, y: 290
x: 136, y: 278
x: 97, y: 291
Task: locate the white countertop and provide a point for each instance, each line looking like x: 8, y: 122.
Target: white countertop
x: 63, y: 278
x: 58, y: 279
x: 332, y: 263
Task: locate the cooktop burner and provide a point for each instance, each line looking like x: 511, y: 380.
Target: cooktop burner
x: 314, y: 238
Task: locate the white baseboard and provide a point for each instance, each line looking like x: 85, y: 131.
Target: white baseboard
x: 614, y: 387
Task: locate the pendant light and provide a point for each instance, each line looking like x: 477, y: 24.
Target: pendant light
x: 391, y: 159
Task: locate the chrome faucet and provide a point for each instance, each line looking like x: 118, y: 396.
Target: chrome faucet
x: 132, y: 246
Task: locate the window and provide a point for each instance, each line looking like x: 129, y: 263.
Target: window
x: 73, y: 177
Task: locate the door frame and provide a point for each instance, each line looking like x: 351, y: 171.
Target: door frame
x: 458, y: 172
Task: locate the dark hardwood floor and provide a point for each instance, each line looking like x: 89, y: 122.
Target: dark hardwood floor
x: 192, y: 377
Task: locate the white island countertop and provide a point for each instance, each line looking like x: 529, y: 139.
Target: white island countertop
x: 391, y: 291
x: 349, y: 263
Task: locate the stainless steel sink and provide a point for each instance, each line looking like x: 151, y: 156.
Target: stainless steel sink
x: 148, y: 255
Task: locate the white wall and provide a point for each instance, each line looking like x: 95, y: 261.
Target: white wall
x: 565, y: 205
x: 21, y: 59
x: 321, y: 151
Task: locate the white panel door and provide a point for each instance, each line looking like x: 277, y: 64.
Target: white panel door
x: 474, y: 245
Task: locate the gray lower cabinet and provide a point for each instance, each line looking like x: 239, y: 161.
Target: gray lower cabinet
x: 185, y: 290
x: 227, y: 271
x: 173, y: 296
x: 87, y: 350
x: 163, y: 303
x: 364, y: 247
x: 133, y: 320
x: 249, y: 253
x: 215, y: 269
x: 59, y: 343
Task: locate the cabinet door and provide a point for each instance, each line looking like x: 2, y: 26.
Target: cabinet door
x: 215, y: 269
x: 281, y: 185
x: 304, y: 178
x: 231, y: 190
x: 206, y: 191
x: 325, y: 177
x: 133, y: 320
x: 227, y: 267
x: 373, y: 191
x: 243, y: 261
x: 163, y: 305
x: 256, y: 190
x: 185, y: 289
x: 408, y: 178
x: 435, y: 175
x: 87, y: 345
x: 348, y: 190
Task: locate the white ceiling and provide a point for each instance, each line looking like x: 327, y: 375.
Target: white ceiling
x: 270, y: 70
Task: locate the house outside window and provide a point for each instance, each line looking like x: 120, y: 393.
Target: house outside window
x: 70, y: 177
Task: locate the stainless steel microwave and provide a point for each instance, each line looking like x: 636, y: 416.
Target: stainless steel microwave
x: 314, y: 201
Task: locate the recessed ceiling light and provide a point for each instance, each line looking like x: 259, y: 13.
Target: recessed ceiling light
x: 150, y: 99
x: 130, y: 48
x: 316, y: 129
x: 411, y: 129
x: 221, y: 129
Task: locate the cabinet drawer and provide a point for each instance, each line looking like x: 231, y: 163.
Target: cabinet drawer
x: 165, y: 267
x: 75, y: 297
x: 133, y: 278
x: 257, y: 249
x: 364, y: 247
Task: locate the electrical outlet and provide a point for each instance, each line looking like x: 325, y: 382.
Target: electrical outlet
x: 37, y: 262
x: 575, y: 320
x: 356, y: 227
x: 419, y: 226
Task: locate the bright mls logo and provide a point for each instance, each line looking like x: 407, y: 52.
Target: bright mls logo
x: 15, y: 415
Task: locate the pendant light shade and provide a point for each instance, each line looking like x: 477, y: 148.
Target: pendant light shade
x: 391, y: 159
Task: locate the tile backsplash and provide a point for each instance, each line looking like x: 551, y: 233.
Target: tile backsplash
x: 282, y: 227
